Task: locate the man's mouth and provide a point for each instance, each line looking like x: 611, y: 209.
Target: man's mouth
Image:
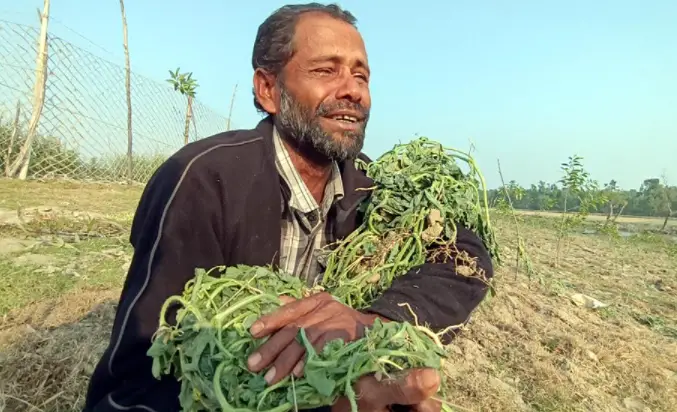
x: 345, y: 118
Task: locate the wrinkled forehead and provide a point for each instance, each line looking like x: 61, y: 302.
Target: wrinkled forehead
x: 319, y: 36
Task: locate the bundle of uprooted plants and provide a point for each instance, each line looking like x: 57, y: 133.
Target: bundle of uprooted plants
x: 419, y: 197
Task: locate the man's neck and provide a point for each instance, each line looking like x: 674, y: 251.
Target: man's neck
x: 314, y: 172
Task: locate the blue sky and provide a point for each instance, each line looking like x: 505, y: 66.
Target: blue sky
x: 528, y: 82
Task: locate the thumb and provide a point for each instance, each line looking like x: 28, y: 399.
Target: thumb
x: 413, y: 388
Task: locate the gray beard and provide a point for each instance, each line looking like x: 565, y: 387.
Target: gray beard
x: 302, y: 127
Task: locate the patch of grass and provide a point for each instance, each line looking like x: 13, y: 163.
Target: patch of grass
x: 62, y: 275
x: 97, y: 198
x: 657, y: 323
x: 49, y: 270
x: 609, y: 313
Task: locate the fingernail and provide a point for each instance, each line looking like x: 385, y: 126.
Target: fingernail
x: 256, y: 328
x: 298, y: 369
x: 254, y: 360
x: 286, y: 299
x: 428, y: 379
x: 270, y: 375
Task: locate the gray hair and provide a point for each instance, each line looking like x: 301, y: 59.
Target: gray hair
x: 273, y: 47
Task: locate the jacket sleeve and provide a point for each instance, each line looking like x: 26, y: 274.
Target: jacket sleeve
x: 441, y: 294
x: 176, y: 229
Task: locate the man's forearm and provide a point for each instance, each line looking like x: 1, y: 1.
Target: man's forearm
x: 436, y: 294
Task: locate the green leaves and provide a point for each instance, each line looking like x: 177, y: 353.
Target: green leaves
x: 208, y: 346
x: 319, y: 379
x: 183, y: 82
x: 421, y: 194
x: 413, y: 183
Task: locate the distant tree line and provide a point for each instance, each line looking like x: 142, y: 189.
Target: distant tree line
x: 654, y: 197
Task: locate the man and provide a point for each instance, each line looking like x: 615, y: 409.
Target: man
x: 276, y: 193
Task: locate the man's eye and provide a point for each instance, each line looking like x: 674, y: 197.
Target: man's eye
x: 324, y: 70
x: 362, y: 76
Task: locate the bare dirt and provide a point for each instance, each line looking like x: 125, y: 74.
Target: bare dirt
x: 9, y: 245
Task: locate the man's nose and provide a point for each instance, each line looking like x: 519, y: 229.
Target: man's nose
x: 351, y: 89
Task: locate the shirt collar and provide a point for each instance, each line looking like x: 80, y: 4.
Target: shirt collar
x: 301, y: 199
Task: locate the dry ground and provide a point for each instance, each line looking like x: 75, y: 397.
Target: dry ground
x: 655, y: 222
x: 530, y: 348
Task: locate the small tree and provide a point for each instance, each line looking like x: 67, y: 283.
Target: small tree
x: 186, y: 85
x: 669, y: 201
x: 578, y: 188
x: 656, y: 198
x: 507, y: 196
x: 504, y: 204
x: 616, y: 201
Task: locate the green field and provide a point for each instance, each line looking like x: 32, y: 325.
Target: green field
x: 64, y: 252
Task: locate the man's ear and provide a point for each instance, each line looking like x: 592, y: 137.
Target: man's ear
x: 265, y: 90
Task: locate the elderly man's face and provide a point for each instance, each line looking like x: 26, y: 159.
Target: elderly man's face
x: 324, y: 99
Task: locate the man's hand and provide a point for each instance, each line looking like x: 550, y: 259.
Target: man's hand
x: 413, y: 390
x: 323, y: 318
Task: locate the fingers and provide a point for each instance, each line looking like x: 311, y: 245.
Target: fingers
x: 269, y: 351
x: 413, y: 390
x: 285, y: 363
x: 272, y: 349
x: 322, y: 318
x: 318, y: 343
x: 286, y: 314
x: 416, y: 387
x: 285, y: 353
x: 298, y: 368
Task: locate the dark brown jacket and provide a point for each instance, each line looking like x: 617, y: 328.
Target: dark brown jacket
x: 219, y: 201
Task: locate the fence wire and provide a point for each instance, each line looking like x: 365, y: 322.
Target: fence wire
x: 82, y: 132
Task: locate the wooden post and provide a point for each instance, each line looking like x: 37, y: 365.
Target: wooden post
x: 128, y: 89
x: 22, y: 160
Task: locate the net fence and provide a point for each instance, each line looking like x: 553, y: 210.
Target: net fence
x: 82, y: 131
